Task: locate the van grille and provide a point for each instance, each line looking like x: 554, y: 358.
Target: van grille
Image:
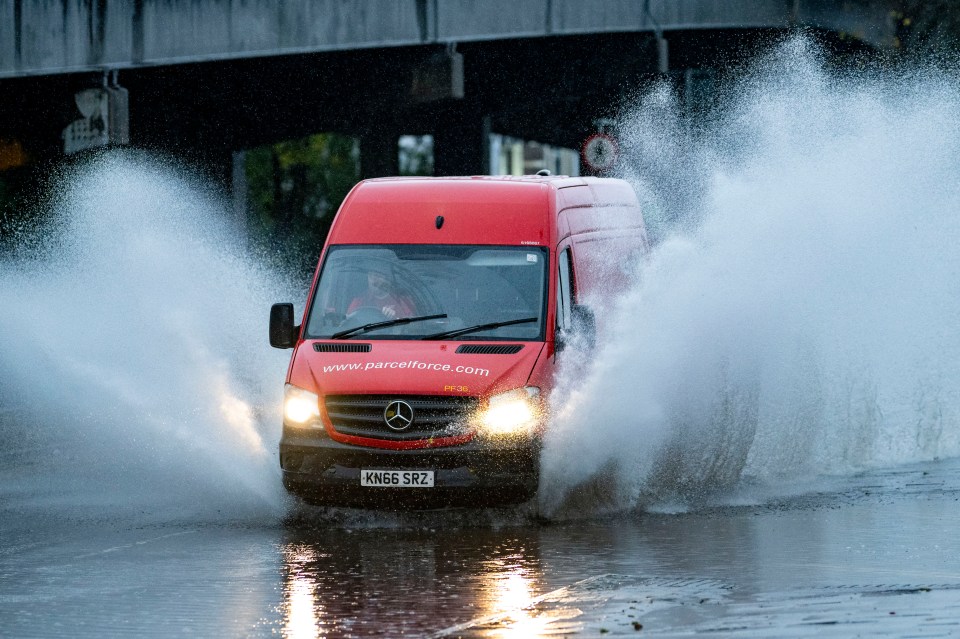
x: 433, y: 416
x: 489, y: 349
x: 341, y: 347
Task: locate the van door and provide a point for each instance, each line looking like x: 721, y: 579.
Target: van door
x: 575, y: 321
x: 565, y: 290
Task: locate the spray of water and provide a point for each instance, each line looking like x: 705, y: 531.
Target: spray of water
x: 800, y: 314
x: 798, y: 317
x: 134, y: 370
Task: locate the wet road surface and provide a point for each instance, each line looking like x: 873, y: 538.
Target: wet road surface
x: 876, y: 554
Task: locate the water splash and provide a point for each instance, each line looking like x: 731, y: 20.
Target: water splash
x: 134, y: 362
x: 799, y: 316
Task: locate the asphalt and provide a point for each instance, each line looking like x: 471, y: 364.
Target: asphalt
x: 872, y: 554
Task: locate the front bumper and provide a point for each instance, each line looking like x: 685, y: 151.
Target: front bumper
x: 321, y: 470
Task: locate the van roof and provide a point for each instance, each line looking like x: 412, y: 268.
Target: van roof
x: 557, y: 181
x: 476, y: 209
x: 603, y: 191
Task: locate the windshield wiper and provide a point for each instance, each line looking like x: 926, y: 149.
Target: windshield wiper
x: 393, y: 322
x: 480, y: 327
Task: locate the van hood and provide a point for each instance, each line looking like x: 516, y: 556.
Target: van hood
x: 414, y: 367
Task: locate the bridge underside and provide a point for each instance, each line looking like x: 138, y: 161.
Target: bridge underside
x: 546, y: 89
x: 46, y: 37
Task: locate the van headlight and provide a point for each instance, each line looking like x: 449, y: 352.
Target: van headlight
x: 300, y: 407
x: 511, y: 413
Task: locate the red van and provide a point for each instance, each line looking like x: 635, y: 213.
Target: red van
x: 428, y: 347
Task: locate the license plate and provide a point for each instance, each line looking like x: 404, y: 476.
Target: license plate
x: 396, y: 478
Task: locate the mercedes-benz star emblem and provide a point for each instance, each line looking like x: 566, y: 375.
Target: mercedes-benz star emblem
x: 398, y: 415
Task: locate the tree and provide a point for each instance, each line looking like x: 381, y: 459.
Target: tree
x: 294, y: 190
x: 927, y: 26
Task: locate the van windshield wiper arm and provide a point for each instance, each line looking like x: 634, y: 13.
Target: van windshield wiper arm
x: 393, y: 322
x: 480, y: 327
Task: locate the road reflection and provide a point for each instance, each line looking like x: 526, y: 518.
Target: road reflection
x: 379, y: 577
x: 512, y: 593
x: 303, y: 614
x: 387, y: 582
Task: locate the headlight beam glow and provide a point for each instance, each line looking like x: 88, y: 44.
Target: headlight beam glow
x: 300, y: 407
x: 511, y: 413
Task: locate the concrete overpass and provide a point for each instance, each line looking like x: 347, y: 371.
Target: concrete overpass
x: 43, y: 37
x: 202, y: 79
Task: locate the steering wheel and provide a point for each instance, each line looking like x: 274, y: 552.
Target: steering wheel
x: 364, y: 315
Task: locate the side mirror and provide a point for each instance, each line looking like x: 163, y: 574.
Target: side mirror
x: 283, y: 334
x: 582, y: 334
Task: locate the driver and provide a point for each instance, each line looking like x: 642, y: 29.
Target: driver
x: 382, y: 295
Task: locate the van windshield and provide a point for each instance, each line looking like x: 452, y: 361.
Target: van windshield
x: 470, y: 285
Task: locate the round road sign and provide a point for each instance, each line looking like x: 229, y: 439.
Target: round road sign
x: 600, y: 151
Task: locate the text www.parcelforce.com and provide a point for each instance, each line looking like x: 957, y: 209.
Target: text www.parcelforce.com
x: 409, y: 365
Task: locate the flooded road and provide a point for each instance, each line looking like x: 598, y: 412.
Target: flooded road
x: 876, y: 554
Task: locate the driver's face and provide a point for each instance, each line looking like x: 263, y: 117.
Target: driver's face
x: 378, y: 283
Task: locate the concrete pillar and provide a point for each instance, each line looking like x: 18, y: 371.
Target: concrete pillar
x: 461, y: 144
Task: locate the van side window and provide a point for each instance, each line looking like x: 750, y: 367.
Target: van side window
x: 564, y: 291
